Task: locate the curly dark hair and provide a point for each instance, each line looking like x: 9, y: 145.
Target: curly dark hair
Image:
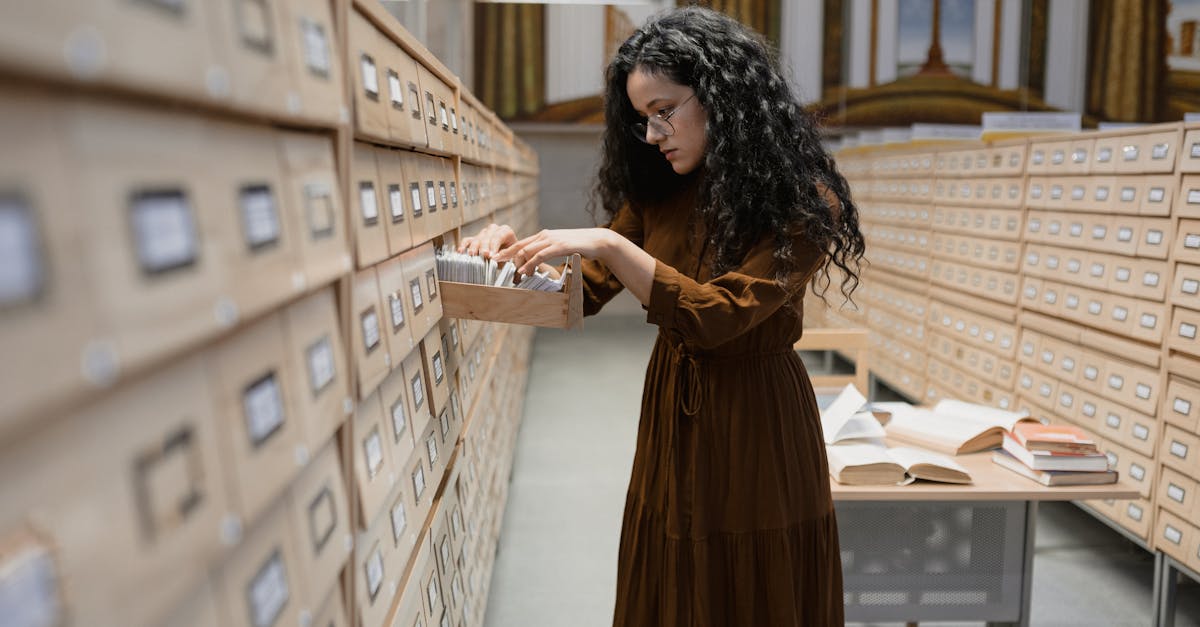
x: 765, y: 169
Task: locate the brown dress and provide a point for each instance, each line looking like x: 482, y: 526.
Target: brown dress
x: 728, y: 519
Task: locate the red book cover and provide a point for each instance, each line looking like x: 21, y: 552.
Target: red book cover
x: 1057, y: 438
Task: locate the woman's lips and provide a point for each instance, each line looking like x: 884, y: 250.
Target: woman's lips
x: 669, y: 153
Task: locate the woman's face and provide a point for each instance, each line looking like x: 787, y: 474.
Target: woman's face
x: 653, y: 95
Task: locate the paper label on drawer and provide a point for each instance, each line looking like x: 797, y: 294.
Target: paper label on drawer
x: 1157, y: 194
x: 1091, y: 373
x: 1050, y: 297
x: 1150, y: 279
x: 396, y: 305
x: 1176, y: 493
x: 370, y: 329
x: 453, y: 194
x: 1052, y: 262
x: 431, y: 283
x: 374, y: 573
x: 399, y: 418
x: 1154, y: 237
x: 1048, y: 357
x: 1072, y: 301
x: 395, y: 90
x: 321, y: 365
x: 268, y: 592
x: 316, y: 47
x: 1057, y: 157
x: 1122, y: 274
x: 418, y: 481
x: 373, y: 452
x: 444, y: 551
x: 1196, y: 150
x: 1104, y: 155
x: 370, y: 79
x: 1065, y: 399
x: 418, y: 389
x: 1182, y: 406
x: 1141, y: 432
x: 1076, y: 229
x: 1187, y: 330
x: 432, y: 449
x: 1099, y: 231
x: 1125, y: 234
x: 1101, y: 193
x: 1173, y: 535
x: 1113, y: 421
x: 396, y: 203
x: 22, y: 267
x: 1193, y: 197
x: 1128, y: 194
x: 1097, y: 269
x: 414, y: 288
x: 414, y: 190
x: 164, y: 232
x: 1056, y: 192
x: 1160, y: 151
x: 1077, y: 192
x: 1095, y: 307
x: 438, y: 371
x: 443, y: 116
x: 1089, y: 410
x: 414, y: 99
x: 443, y: 194
x: 432, y: 592
x: 1054, y: 228
x: 1190, y: 286
x: 1120, y: 314
x: 322, y: 519
x: 1035, y: 191
x: 1113, y: 459
x: 1027, y: 349
x: 367, y: 202
x: 1179, y: 449
x: 262, y: 404
x: 29, y: 587
x: 1137, y: 472
x: 1149, y: 321
x: 399, y: 521
x: 1191, y: 240
x: 1045, y: 390
x: 1129, y: 152
x: 260, y: 217
x: 1116, y: 381
x: 1134, y: 512
x: 1035, y: 225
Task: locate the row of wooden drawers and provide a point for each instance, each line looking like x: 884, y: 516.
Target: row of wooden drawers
x: 980, y: 363
x: 909, y: 265
x: 1001, y: 224
x: 1125, y: 195
x: 1149, y: 238
x: 945, y: 380
x: 899, y: 296
x: 999, y: 193
x: 992, y: 284
x: 1125, y: 316
x: 900, y: 377
x: 908, y: 240
x: 881, y: 321
x: 1000, y: 255
x: 913, y: 216
x: 971, y: 328
x: 1139, y: 278
x: 1142, y: 152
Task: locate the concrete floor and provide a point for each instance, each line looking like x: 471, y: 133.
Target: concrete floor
x: 557, y: 553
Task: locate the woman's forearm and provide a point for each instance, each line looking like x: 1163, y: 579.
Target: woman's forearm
x: 633, y: 267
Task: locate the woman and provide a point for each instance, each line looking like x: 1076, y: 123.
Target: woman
x: 722, y: 207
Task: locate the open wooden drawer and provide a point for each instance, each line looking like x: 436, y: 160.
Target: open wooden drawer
x: 560, y: 310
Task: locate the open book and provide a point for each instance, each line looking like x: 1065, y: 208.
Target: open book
x: 870, y: 464
x: 845, y: 418
x: 952, y: 427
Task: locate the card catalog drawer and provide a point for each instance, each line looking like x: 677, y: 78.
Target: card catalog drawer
x: 257, y: 400
x: 375, y: 471
x: 1136, y: 516
x: 436, y: 99
x: 1174, y: 535
x: 1177, y: 493
x: 421, y: 273
x: 132, y: 480
x: 320, y: 518
x: 396, y: 310
x: 46, y: 310
x: 378, y: 572
x: 1077, y: 193
x: 1183, y: 404
x: 313, y: 198
x: 314, y: 58
x: 1180, y: 450
x: 155, y: 214
x: 1187, y: 201
x: 1141, y: 278
x: 369, y: 205
x: 260, y: 584
x: 333, y: 611
x: 1106, y: 154
x: 418, y: 394
x: 1186, y: 289
x: 394, y: 201
x: 368, y: 49
x: 1038, y: 388
x: 261, y: 243
x: 370, y: 342
x: 249, y: 42
x: 1133, y: 385
x: 399, y: 414
x: 1183, y: 332
x: 317, y: 362
x: 1190, y: 159
x: 1158, y: 195
x: 1152, y: 153
x: 437, y: 375
x: 403, y: 95
x: 1154, y: 239
x: 1135, y: 431
x: 1187, y: 241
x: 1137, y: 470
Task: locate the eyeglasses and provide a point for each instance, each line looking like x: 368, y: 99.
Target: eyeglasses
x: 660, y: 122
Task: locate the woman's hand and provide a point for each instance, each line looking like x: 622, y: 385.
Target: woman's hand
x: 491, y: 240
x: 528, y: 253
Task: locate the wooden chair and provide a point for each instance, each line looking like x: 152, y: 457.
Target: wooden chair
x: 850, y: 341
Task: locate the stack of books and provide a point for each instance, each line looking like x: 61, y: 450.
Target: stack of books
x: 1054, y: 455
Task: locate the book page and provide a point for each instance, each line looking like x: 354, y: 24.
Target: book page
x: 842, y: 456
x: 980, y: 414
x: 841, y: 411
x: 949, y: 431
x: 908, y: 457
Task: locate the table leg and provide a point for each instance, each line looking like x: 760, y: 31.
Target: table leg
x: 1027, y: 577
x: 1166, y: 579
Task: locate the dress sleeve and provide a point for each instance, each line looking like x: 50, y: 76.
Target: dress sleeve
x: 600, y: 285
x: 709, y: 314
